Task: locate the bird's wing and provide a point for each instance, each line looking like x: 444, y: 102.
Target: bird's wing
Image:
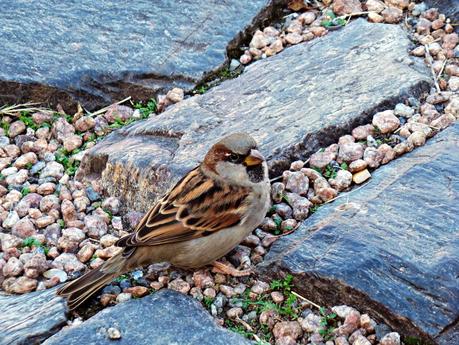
x: 197, y: 206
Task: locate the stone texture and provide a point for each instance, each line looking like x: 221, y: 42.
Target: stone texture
x: 385, y: 249
x: 140, y: 162
x: 31, y: 318
x: 99, y: 52
x: 173, y: 318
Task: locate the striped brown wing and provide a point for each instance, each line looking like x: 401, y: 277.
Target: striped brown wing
x: 197, y: 206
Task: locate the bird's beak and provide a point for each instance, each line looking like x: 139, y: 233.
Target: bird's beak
x: 254, y: 158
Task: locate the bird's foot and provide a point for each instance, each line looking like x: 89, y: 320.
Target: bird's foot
x: 219, y: 267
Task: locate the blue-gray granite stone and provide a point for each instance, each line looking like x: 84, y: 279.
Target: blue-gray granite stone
x: 390, y: 248
x: 293, y: 103
x: 100, y: 51
x: 166, y: 317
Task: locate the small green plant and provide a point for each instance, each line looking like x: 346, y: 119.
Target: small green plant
x: 202, y: 89
x: 344, y: 166
x: 33, y: 242
x: 61, y: 223
x: 284, y: 284
x: 120, y: 123
x: 120, y: 278
x: 110, y: 214
x: 329, y: 172
x: 5, y: 126
x: 207, y: 301
x: 409, y: 340
x: 328, y: 323
x: 313, y: 209
x: 70, y: 166
x: 146, y: 109
x: 332, y: 20
x: 2, y: 177
x: 25, y: 191
x: 278, y: 221
x: 27, y: 119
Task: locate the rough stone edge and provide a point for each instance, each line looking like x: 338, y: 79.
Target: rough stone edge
x: 98, y: 317
x: 39, y: 338
x: 312, y: 284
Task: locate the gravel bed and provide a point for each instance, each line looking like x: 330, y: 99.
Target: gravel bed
x: 54, y: 227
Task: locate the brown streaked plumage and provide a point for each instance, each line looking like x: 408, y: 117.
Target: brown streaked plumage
x: 205, y: 215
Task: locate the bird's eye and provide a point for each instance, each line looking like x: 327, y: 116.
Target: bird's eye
x: 234, y: 157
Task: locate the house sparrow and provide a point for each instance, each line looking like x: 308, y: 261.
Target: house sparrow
x: 205, y: 215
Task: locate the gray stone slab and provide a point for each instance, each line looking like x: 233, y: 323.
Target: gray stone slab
x: 30, y: 318
x: 167, y: 317
x: 100, y: 51
x: 390, y: 248
x: 292, y: 103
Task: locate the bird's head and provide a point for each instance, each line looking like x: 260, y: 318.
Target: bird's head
x: 235, y: 159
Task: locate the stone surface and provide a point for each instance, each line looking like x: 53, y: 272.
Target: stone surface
x: 173, y: 318
x: 31, y: 318
x: 140, y: 162
x: 385, y: 249
x: 100, y: 52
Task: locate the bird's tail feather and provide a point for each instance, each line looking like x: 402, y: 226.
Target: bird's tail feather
x: 78, y: 291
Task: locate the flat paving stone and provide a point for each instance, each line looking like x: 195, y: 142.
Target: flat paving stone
x: 390, y: 248
x: 166, y: 317
x: 292, y: 103
x: 31, y: 318
x: 101, y: 51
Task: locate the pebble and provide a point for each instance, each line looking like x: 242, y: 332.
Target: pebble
x: 342, y: 180
x: 357, y: 165
x: 392, y: 338
x: 260, y: 287
x: 299, y: 204
x: 375, y: 6
x: 176, y: 95
x: 361, y: 176
x: 113, y: 333
x: 341, y: 7
x: 392, y: 15
x: 13, y: 268
x: 16, y: 128
x: 179, y: 285
x: 386, y: 121
x: 311, y: 323
x: 417, y: 138
x: 403, y: 110
x: 123, y: 297
x: 116, y: 111
x: 234, y: 313
x: 277, y: 191
x: 287, y: 329
x: 386, y: 152
x: 362, y: 132
x: 54, y: 272
x: 321, y: 159
x: 22, y: 228
x: 137, y: 291
x: 350, y: 152
x: 296, y: 182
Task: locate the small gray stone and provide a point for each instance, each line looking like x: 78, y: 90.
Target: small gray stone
x: 403, y: 110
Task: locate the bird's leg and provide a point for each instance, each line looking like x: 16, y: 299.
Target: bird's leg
x: 219, y: 267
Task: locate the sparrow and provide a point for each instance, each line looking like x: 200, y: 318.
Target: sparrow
x: 202, y: 218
